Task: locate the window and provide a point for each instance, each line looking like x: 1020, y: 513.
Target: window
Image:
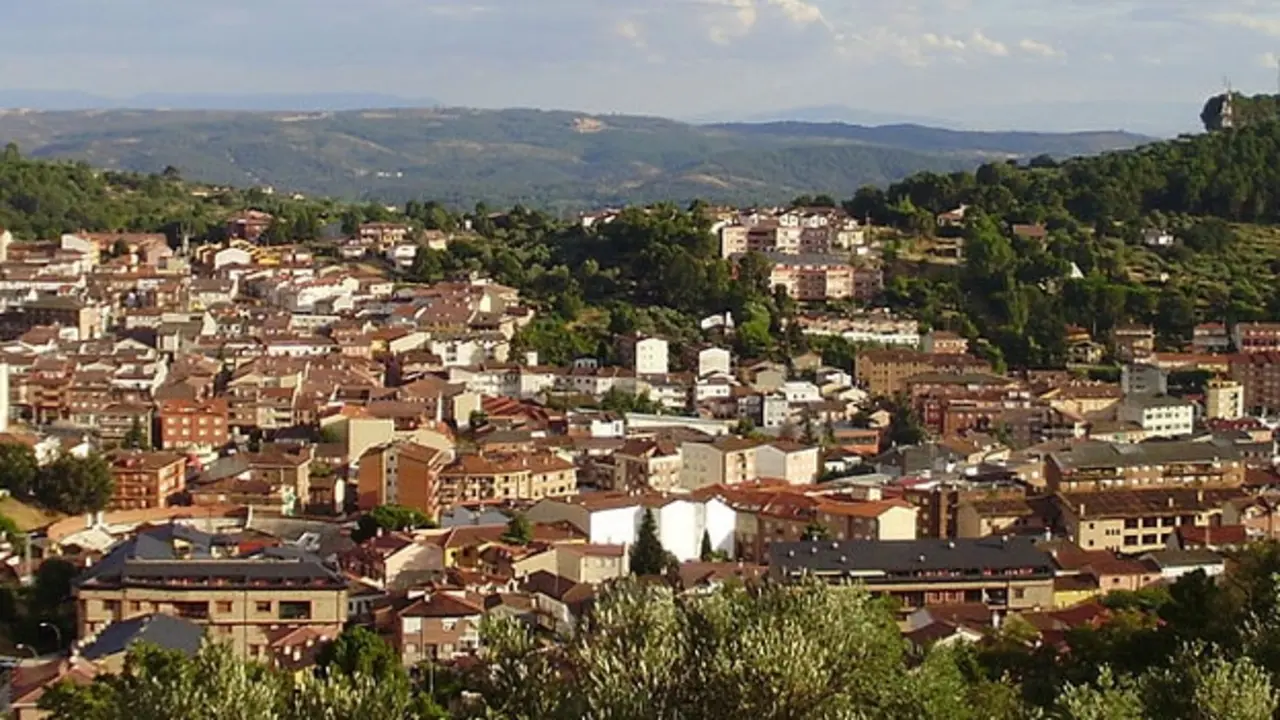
x: 1148, y: 539
x: 111, y: 606
x: 224, y: 606
x: 262, y: 606
x: 192, y: 610
x: 135, y: 606
x: 1019, y: 594
x: 295, y: 610
x: 1130, y: 540
x: 1131, y: 524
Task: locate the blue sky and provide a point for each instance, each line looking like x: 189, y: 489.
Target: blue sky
x: 986, y: 62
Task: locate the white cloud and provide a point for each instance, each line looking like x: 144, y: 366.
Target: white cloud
x: 1265, y: 25
x: 984, y: 44
x: 799, y: 11
x: 944, y: 42
x: 1269, y: 60
x: 1035, y: 47
x: 731, y: 19
x: 632, y: 32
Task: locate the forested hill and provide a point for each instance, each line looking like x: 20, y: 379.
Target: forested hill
x: 546, y: 159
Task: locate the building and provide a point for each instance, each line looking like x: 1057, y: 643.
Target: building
x: 1259, y: 374
x: 85, y: 318
x: 145, y: 480
x: 724, y: 461
x: 1102, y: 467
x: 811, y: 277
x: 400, y: 473
x: 1210, y: 338
x: 472, y: 478
x: 1133, y: 342
x: 383, y: 233
x: 884, y: 372
x: 647, y: 464
x: 240, y: 599
x: 794, y: 462
x: 943, y: 342
x: 1138, y: 521
x: 1158, y: 415
x: 193, y: 425
x: 1223, y: 400
x: 1254, y: 337
x: 438, y: 627
x: 1001, y: 573
x: 645, y: 355
x: 1143, y: 379
x: 248, y: 225
x: 614, y: 518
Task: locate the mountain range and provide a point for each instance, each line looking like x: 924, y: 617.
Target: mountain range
x: 553, y: 159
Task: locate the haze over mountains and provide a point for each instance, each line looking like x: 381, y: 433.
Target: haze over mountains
x: 327, y: 144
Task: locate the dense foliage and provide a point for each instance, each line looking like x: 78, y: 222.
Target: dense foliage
x: 389, y: 518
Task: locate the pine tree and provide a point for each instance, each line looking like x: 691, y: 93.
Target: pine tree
x: 647, y: 556
x: 706, y: 551
x: 519, y: 531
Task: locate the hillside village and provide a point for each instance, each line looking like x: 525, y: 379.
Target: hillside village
x: 258, y: 404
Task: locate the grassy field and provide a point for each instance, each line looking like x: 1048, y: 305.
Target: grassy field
x: 27, y: 517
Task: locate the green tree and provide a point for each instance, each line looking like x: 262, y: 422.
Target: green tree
x: 18, y: 468
x: 359, y: 651
x: 75, y: 485
x: 648, y: 556
x: 706, y: 551
x: 390, y: 518
x: 816, y: 531
x: 1110, y: 698
x: 519, y: 531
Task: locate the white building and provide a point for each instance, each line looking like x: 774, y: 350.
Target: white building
x: 1143, y: 379
x: 1158, y: 415
x: 652, y: 356
x: 614, y: 519
x: 714, y: 360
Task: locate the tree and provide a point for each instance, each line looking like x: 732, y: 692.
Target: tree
x: 648, y: 556
x: 75, y: 485
x: 359, y: 651
x: 816, y: 531
x: 389, y: 518
x: 706, y: 551
x: 18, y: 468
x: 519, y: 531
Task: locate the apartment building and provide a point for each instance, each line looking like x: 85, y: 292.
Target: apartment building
x: 813, y: 278
x: 796, y: 463
x: 1255, y: 337
x: 647, y: 464
x: 645, y: 355
x: 1259, y: 374
x: 145, y: 480
x: 193, y: 425
x: 885, y: 372
x: 383, y: 233
x: 1138, y: 521
x: 438, y: 627
x: 725, y: 461
x: 523, y: 476
x: 1102, y: 467
x: 240, y: 599
x: 1223, y: 400
x: 1001, y: 573
x: 944, y: 342
x: 400, y: 473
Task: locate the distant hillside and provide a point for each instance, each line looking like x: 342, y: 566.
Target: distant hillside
x: 543, y: 158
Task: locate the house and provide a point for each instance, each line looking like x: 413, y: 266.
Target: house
x: 145, y: 479
x: 645, y: 355
x: 438, y: 627
x: 1133, y: 342
x: 714, y: 360
x: 953, y: 217
x: 1035, y: 231
x: 248, y: 225
x: 559, y: 603
x: 1157, y: 237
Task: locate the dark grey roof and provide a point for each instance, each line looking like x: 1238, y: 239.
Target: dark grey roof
x: 164, y: 631
x: 1106, y: 455
x: 1184, y: 558
x: 150, y: 557
x: 870, y: 558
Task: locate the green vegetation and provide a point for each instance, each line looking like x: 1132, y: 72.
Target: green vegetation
x: 390, y: 518
x: 69, y: 484
x: 556, y: 160
x: 519, y: 531
x: 648, y: 557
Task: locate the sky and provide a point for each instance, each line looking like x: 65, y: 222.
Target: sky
x: 1016, y: 63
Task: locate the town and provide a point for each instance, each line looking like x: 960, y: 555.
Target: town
x: 273, y: 444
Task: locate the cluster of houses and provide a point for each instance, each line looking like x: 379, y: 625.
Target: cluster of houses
x: 254, y: 401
